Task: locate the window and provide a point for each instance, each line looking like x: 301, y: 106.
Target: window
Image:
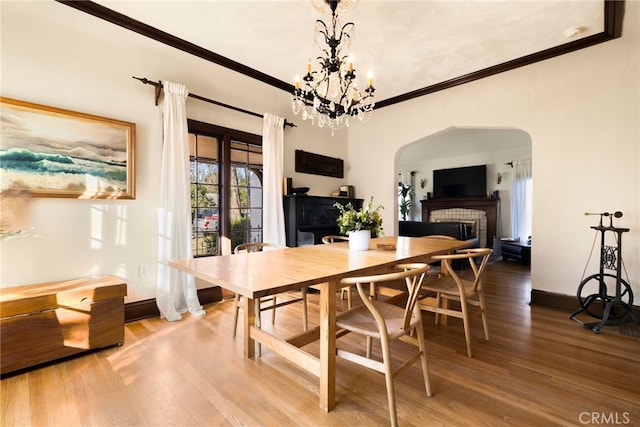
x: 226, y: 187
x: 521, y: 200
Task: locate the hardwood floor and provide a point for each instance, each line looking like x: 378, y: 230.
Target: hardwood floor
x: 539, y: 369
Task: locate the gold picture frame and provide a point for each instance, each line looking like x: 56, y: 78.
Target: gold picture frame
x: 51, y: 152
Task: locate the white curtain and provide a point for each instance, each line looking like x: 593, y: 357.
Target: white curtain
x: 176, y: 291
x: 521, y: 200
x: 272, y: 154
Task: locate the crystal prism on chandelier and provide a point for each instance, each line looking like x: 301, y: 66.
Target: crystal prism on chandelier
x: 330, y: 95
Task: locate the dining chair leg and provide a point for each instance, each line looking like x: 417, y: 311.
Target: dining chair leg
x: 368, y: 349
x: 305, y: 318
x: 483, y: 313
x: 347, y: 291
x: 419, y: 330
x: 465, y: 324
x: 442, y: 318
x: 388, y: 376
x: 273, y: 310
x: 438, y: 304
x: 236, y: 302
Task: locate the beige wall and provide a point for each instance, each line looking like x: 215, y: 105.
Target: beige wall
x: 582, y: 112
x: 57, y: 56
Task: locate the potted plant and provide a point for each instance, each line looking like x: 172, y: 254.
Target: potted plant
x: 359, y: 225
x: 406, y: 193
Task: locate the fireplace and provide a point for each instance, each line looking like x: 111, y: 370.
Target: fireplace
x: 465, y: 209
x: 477, y: 218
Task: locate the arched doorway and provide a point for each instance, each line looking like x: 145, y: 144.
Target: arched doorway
x: 464, y: 146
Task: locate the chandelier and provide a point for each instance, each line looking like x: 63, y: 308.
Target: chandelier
x: 330, y: 94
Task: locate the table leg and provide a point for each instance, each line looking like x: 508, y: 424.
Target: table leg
x: 249, y: 320
x: 328, y: 345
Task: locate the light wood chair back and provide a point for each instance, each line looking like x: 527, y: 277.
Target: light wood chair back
x: 333, y: 239
x: 270, y: 302
x: 255, y: 247
x: 386, y: 322
x: 452, y: 287
x: 435, y: 270
x: 440, y: 236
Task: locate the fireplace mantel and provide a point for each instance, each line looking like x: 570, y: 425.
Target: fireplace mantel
x: 489, y: 205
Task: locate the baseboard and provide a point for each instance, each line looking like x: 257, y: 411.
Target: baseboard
x: 552, y: 300
x: 147, y: 308
x: 568, y: 303
x: 144, y: 309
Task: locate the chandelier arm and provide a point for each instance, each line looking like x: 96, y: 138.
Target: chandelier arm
x: 344, y: 59
x: 324, y: 61
x: 324, y: 30
x: 321, y: 22
x: 343, y: 33
x: 345, y: 92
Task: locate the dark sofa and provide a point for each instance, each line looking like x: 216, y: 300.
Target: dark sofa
x: 458, y: 230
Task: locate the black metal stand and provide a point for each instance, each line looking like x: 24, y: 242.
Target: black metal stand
x: 611, y: 309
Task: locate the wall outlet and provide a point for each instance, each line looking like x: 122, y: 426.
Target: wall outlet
x: 143, y: 270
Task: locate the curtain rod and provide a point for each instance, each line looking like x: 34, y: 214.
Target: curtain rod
x: 158, y: 90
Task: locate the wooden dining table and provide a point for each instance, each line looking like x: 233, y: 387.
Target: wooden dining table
x: 258, y: 274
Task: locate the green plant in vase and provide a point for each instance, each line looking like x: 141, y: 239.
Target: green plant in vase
x: 366, y: 218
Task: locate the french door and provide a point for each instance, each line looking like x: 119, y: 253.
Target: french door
x: 226, y: 188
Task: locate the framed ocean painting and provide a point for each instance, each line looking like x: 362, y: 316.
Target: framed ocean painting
x: 51, y: 152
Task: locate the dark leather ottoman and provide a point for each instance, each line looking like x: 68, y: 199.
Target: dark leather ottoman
x: 519, y: 251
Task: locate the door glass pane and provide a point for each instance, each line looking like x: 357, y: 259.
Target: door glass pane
x: 205, y: 243
x: 205, y: 215
x: 206, y: 147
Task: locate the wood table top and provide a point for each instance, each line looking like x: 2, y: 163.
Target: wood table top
x: 279, y: 270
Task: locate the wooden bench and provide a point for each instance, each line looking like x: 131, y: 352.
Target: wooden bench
x: 44, y: 322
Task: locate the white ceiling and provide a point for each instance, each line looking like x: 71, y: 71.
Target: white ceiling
x: 408, y: 45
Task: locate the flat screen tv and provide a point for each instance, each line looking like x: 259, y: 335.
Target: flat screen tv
x: 470, y: 181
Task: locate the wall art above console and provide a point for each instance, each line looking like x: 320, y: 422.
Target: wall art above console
x: 317, y: 164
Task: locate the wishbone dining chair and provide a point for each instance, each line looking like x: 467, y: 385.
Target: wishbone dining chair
x: 387, y: 322
x: 452, y: 287
x: 269, y: 302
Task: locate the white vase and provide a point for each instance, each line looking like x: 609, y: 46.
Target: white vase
x: 360, y: 240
